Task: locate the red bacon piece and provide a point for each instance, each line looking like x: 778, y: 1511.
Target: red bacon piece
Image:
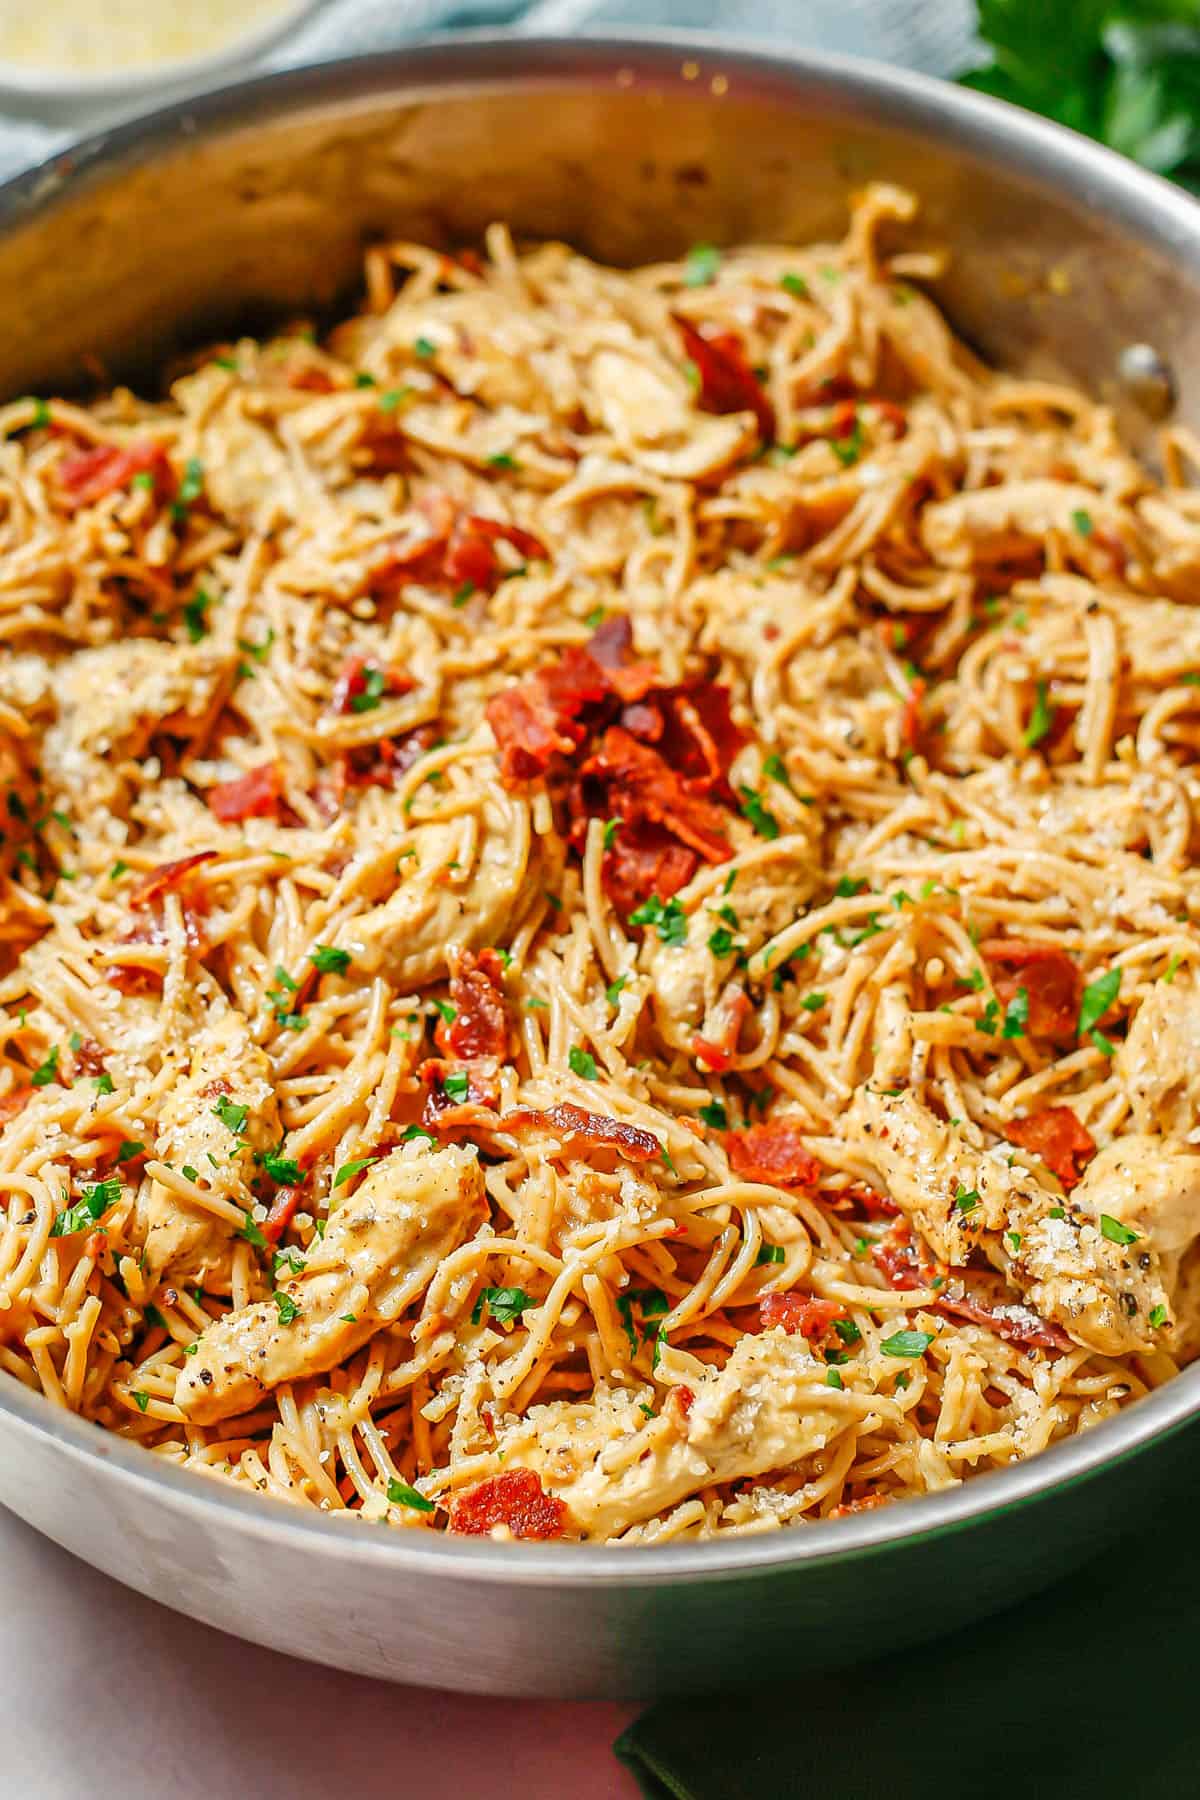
x: 610, y: 645
x: 645, y: 860
x: 92, y: 474
x: 799, y: 1313
x: 718, y: 1056
x: 459, y: 549
x: 351, y: 683
x: 774, y: 1154
x: 727, y: 382
x: 581, y: 1131
x: 453, y: 1112
x: 1048, y: 976
x: 642, y: 788
x: 538, y: 719
x: 1062, y: 1141
x: 899, y: 1259
x: 167, y: 877
x: 910, y: 727
x: 254, y: 795
x: 14, y: 1102
x: 379, y: 764
x: 480, y: 1023
x: 516, y: 1499
x: 867, y: 1503
x: 1021, y: 1325
x: 283, y: 1209
x: 497, y: 532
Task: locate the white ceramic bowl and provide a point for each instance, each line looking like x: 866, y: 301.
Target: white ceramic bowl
x: 86, y: 90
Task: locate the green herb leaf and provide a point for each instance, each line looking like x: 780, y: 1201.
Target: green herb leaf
x: 848, y: 1331
x: 349, y: 1170
x: 252, y: 1233
x: 966, y: 1199
x: 288, y: 1309
x: 715, y: 1116
x: 400, y: 1494
x: 794, y: 285
x: 1115, y: 1231
x: 505, y: 1305
x: 1016, y: 1015
x: 424, y: 348
x: 1041, y: 719
x: 128, y: 1148
x: 1097, y: 997
x: 231, y: 1115
x: 907, y: 1343
x: 1082, y: 521
x: 448, y: 1011
x: 456, y: 1085
x: 701, y: 265
x: 282, y: 1169
x: 770, y: 1253
x: 140, y: 1398
x: 833, y: 1379
x: 1158, y: 1316
x: 412, y: 1132
x: 762, y: 819
x: 582, y: 1063
x: 813, y: 1002
x: 328, y: 960
x: 612, y: 992
x: 610, y: 832
x: 47, y: 1069
x: 667, y: 916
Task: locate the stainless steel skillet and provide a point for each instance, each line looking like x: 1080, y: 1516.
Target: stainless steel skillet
x: 255, y: 201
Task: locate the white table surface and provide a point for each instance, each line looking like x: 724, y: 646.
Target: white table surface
x: 103, y: 1693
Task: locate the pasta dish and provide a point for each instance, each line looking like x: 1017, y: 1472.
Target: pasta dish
x: 599, y: 901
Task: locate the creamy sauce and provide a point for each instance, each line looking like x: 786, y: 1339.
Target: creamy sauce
x: 81, y: 37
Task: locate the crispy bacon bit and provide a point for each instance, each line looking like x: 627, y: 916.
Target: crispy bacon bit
x: 910, y: 727
x: 1018, y: 1323
x: 867, y: 1503
x: 1048, y: 976
x: 282, y: 1210
x: 458, y: 551
x: 580, y: 1131
x: 480, y: 1023
x: 774, y: 1154
x: 254, y: 795
x: 727, y: 382
x: 683, y: 1399
x: 799, y: 1313
x: 1062, y: 1141
x: 166, y: 878
x: 900, y: 1260
x: 611, y: 645
x: 351, y: 683
x: 14, y: 1102
x: 642, y: 788
x: 88, y: 1059
x: 516, y: 1499
x: 378, y: 764
x: 645, y: 860
x: 453, y: 1111
x: 92, y: 474
x: 537, y: 720
x: 717, y: 1056
x: 309, y: 378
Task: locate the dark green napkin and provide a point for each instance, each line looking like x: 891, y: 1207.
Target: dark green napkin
x: 1089, y: 1690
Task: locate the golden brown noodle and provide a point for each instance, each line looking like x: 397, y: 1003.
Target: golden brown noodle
x: 1034, y: 779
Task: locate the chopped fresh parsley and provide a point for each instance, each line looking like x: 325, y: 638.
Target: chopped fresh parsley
x: 773, y: 766
x: 448, y: 1011
x: 1013, y: 1240
x: 582, y: 1063
x: 813, y: 1002
x: 966, y: 1199
x: 283, y: 1170
x: 701, y: 265
x: 393, y: 399
x: 349, y: 1170
x: 759, y: 815
x: 190, y: 487
x: 128, y: 1148
x: 424, y: 348
x: 667, y: 917
x: 833, y: 1379
x: 95, y: 1203
x: 195, y: 614
x: 231, y: 1114
x: 715, y: 1116
x: 1172, y: 966
x: 505, y: 1305
x: 721, y: 942
x: 1115, y: 1231
x: 47, y: 1069
x: 1097, y: 997
x: 140, y: 1397
x: 907, y: 1343
x: 1158, y: 1316
x: 412, y: 1132
x: 770, y: 1253
x: 188, y: 1173
x: 612, y: 992
x: 1041, y: 719
x: 794, y: 285
x: 400, y: 1494
x: 848, y: 1331
x: 373, y: 690
x: 503, y: 461
x: 610, y: 832
x: 847, y: 887
x: 1016, y: 1015
x: 288, y: 1309
x: 1082, y: 521
x: 252, y: 1233
x: 328, y: 960
x: 456, y: 1085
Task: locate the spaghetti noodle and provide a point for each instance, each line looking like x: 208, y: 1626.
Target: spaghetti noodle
x: 599, y: 907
